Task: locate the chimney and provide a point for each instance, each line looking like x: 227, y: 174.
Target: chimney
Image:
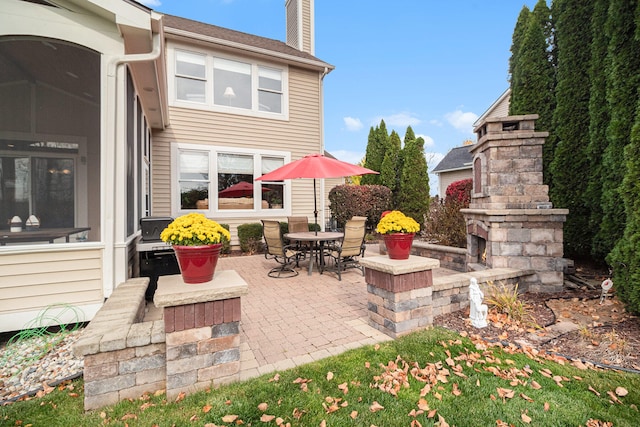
x: 299, y: 21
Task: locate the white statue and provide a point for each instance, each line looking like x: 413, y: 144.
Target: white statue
x: 478, y: 311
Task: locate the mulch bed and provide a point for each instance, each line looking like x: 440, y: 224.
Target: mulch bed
x: 615, y: 343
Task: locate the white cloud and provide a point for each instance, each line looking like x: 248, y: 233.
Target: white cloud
x: 435, y: 122
x: 353, y: 124
x: 150, y: 3
x: 428, y: 141
x: 348, y: 156
x: 400, y: 119
x: 461, y: 120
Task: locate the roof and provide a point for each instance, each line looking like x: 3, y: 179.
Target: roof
x: 457, y: 158
x: 499, y: 108
x: 238, y: 39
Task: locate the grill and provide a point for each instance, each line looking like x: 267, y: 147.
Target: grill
x: 156, y: 258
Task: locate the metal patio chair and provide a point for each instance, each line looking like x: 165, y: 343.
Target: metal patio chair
x: 285, y: 255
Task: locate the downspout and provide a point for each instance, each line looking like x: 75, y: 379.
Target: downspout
x: 322, y: 187
x: 110, y: 222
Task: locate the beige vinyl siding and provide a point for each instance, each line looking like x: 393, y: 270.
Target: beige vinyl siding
x: 299, y: 135
x: 502, y: 109
x: 307, y: 36
x: 32, y: 281
x: 446, y: 178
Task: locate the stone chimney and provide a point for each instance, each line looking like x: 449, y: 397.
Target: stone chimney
x: 300, y: 27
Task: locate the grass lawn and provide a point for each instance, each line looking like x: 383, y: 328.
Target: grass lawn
x: 432, y: 377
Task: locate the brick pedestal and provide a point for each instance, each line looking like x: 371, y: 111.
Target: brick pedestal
x: 202, y: 327
x: 399, y: 293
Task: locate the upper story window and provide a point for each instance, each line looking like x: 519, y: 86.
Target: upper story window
x: 207, y: 81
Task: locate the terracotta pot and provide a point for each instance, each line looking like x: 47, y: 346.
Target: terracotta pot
x: 398, y: 245
x: 197, y: 263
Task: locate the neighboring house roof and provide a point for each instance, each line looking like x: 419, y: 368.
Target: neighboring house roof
x: 499, y: 108
x: 178, y: 26
x: 456, y: 159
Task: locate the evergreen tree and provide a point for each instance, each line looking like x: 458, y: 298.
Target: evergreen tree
x: 532, y: 82
x: 570, y: 165
x: 413, y: 196
x: 622, y: 86
x: 598, y: 120
x: 516, y: 40
x: 376, y: 147
x: 625, y: 257
x: 391, y: 165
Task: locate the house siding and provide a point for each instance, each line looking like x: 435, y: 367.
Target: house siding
x: 300, y: 134
x: 446, y: 178
x: 31, y: 283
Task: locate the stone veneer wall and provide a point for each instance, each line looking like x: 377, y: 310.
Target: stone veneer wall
x: 195, y: 346
x: 450, y: 257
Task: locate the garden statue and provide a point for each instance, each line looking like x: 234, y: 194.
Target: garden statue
x: 606, y: 286
x: 478, y: 311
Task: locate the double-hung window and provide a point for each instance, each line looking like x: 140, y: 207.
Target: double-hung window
x: 232, y: 85
x: 220, y: 180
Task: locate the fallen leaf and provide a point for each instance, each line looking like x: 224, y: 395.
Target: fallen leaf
x: 535, y: 385
x: 423, y: 404
x: 353, y: 415
x: 344, y: 387
x: 367, y: 365
x: 129, y: 417
x: 456, y: 391
x: 525, y: 397
x: 323, y: 423
x: 329, y: 376
x: 613, y: 397
x: 263, y: 406
x: 267, y: 418
x: 594, y: 391
x: 275, y: 378
x: 525, y: 418
x: 229, y: 418
x: 432, y: 413
x: 441, y: 422
x: 146, y: 405
x: 546, y: 406
x: 621, y: 391
x: 375, y: 407
x: 181, y: 396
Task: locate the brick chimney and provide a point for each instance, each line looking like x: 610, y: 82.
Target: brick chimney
x: 300, y: 27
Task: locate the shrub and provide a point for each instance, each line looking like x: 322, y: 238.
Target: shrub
x: 250, y: 236
x: 445, y: 224
x: 226, y: 245
x: 460, y: 191
x: 507, y: 301
x: 348, y: 201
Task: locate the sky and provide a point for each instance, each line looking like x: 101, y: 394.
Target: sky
x: 434, y: 65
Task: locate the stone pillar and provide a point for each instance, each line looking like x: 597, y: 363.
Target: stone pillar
x: 399, y: 293
x: 202, y: 327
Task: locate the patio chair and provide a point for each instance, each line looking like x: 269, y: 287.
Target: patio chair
x: 347, y: 253
x: 285, y: 255
x: 299, y: 224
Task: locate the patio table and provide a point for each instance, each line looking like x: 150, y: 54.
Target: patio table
x: 318, y: 239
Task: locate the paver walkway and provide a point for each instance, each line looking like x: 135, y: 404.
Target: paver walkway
x: 292, y: 321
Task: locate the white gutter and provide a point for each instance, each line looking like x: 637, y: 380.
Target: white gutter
x: 118, y: 209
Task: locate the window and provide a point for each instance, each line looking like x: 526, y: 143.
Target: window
x: 229, y: 85
x: 190, y: 77
x: 39, y: 178
x: 269, y: 90
x: 218, y: 181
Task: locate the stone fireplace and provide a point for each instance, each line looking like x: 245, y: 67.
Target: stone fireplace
x: 510, y: 221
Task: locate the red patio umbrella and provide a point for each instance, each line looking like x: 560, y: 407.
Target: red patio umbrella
x: 241, y: 189
x: 315, y: 166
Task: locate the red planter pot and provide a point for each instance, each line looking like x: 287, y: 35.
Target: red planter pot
x: 197, y: 263
x: 398, y: 245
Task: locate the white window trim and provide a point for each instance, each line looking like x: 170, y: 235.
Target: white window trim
x: 214, y: 150
x: 208, y: 105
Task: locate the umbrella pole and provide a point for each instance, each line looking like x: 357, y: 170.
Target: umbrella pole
x: 315, y: 206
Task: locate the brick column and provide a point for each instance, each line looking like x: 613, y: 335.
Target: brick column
x: 202, y: 327
x: 399, y: 293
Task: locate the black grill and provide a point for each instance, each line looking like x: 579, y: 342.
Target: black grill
x: 156, y: 257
